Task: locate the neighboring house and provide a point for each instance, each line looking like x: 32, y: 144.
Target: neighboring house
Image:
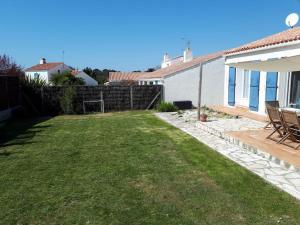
x: 181, y: 79
x: 44, y: 70
x: 264, y: 70
x: 89, y: 81
x: 116, y: 78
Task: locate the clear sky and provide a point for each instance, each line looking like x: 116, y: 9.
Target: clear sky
x: 132, y: 34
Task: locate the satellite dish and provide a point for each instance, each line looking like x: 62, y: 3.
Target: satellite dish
x: 292, y: 20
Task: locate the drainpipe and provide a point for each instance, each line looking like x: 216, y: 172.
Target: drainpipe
x: 200, y: 91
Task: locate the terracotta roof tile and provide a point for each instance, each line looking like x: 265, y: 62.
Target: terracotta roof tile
x: 279, y: 38
x: 181, y: 66
x: 46, y: 66
x: 124, y: 76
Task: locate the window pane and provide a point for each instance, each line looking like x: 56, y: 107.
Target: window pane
x: 295, y: 89
x: 246, y: 84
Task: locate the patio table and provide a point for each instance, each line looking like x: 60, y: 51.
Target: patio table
x: 292, y: 110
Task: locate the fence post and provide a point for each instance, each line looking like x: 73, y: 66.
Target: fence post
x: 102, y: 101
x: 131, y: 97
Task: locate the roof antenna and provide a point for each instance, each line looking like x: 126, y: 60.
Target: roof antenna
x: 291, y: 20
x: 63, y: 58
x: 187, y: 43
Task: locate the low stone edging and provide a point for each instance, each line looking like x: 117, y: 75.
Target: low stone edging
x: 203, y: 126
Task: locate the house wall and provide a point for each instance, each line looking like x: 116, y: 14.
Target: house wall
x: 213, y: 83
x: 61, y: 68
x: 281, y: 52
x: 46, y: 75
x: 43, y: 75
x: 87, y: 79
x: 282, y: 91
x: 182, y: 86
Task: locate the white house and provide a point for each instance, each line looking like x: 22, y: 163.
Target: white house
x: 44, y: 70
x: 181, y: 79
x: 264, y: 70
x: 89, y: 81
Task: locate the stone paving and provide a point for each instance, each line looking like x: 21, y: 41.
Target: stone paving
x: 287, y: 179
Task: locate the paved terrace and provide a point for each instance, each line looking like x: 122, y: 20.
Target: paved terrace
x: 215, y: 134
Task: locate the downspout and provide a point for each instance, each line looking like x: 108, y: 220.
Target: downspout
x: 200, y: 91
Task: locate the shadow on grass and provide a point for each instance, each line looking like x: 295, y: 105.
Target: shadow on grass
x: 20, y: 132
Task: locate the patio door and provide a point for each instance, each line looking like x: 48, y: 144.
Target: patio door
x: 254, y: 90
x: 231, y: 86
x: 271, y: 86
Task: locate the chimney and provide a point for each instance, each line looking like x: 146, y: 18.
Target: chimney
x: 42, y: 61
x: 166, y: 61
x: 187, y: 55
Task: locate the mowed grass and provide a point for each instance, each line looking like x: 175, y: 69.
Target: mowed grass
x: 127, y: 168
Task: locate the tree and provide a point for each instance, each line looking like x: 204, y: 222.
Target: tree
x: 9, y: 67
x: 99, y: 75
x: 149, y: 70
x: 88, y: 71
x: 66, y: 79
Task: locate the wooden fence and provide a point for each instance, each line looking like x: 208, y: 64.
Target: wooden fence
x: 115, y: 98
x: 10, y: 94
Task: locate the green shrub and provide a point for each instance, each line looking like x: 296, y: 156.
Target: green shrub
x: 66, y: 79
x: 66, y: 101
x: 31, y: 83
x: 166, y: 107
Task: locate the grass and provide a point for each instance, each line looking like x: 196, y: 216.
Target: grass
x: 127, y: 168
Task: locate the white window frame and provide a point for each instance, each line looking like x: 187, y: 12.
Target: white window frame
x: 243, y: 86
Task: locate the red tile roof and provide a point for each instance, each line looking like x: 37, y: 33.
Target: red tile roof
x: 124, y: 76
x: 41, y: 67
x: 279, y: 38
x: 181, y: 66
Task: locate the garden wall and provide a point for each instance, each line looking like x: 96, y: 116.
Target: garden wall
x: 116, y: 98
x: 10, y: 95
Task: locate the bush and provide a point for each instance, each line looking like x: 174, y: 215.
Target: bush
x: 66, y: 101
x: 66, y: 79
x: 31, y: 83
x: 166, y: 107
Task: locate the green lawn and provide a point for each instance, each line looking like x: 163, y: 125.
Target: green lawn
x: 127, y: 168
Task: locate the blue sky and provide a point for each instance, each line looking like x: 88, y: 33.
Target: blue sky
x: 132, y: 34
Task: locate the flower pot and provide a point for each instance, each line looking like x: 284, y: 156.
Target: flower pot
x: 203, y: 117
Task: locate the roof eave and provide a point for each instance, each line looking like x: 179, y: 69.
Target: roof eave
x: 289, y: 43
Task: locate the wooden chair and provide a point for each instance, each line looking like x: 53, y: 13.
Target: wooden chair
x: 292, y: 127
x: 276, y: 122
x: 274, y: 104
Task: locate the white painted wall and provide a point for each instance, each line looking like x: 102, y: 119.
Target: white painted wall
x: 213, y: 83
x: 43, y: 75
x: 61, y: 68
x: 46, y: 75
x: 262, y: 92
x: 89, y: 81
x: 182, y: 86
